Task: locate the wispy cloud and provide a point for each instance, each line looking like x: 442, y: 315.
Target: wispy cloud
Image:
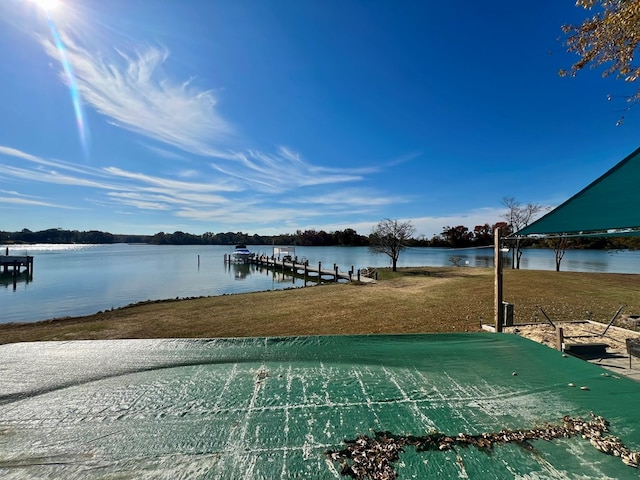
x: 169, y: 183
x: 17, y: 198
x: 194, y: 198
x: 132, y: 91
x: 42, y: 162
x: 142, y: 202
x: 52, y: 177
x: 283, y: 170
x: 26, y: 201
x: 218, y: 179
x: 355, y: 197
x: 119, y: 183
x: 404, y: 158
x: 164, y: 153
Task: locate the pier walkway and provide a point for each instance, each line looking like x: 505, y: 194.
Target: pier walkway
x: 310, y: 272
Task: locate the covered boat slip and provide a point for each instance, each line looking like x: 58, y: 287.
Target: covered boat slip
x: 267, y: 408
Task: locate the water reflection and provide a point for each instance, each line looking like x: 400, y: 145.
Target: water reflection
x: 240, y: 270
x: 279, y: 277
x: 9, y: 279
x: 474, y: 260
x: 485, y: 261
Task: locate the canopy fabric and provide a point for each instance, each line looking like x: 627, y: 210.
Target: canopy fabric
x: 273, y: 408
x: 610, y: 203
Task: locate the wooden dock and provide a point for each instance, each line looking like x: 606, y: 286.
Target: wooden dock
x: 15, y: 263
x: 10, y: 269
x: 309, y: 272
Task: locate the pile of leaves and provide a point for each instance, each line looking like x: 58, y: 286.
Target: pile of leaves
x: 374, y: 457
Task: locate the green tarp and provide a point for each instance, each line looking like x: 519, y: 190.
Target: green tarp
x: 272, y: 408
x: 612, y: 202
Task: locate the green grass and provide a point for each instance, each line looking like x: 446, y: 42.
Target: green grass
x: 412, y: 300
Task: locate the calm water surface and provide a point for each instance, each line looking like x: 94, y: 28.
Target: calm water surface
x: 72, y: 280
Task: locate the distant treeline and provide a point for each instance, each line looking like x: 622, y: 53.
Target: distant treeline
x: 456, y: 237
x: 347, y: 237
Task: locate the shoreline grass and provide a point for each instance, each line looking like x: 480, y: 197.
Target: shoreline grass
x: 412, y: 300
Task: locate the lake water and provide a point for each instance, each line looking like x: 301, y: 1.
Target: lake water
x: 74, y: 280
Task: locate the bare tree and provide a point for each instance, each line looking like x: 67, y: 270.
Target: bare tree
x: 518, y: 216
x: 559, y: 245
x: 390, y: 237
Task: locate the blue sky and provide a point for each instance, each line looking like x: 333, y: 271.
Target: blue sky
x: 271, y: 116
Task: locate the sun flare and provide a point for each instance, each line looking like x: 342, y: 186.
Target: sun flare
x: 47, y: 5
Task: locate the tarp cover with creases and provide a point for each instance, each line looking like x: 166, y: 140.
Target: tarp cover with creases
x: 612, y: 202
x: 271, y: 408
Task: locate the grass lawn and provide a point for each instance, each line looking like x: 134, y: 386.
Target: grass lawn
x: 412, y: 300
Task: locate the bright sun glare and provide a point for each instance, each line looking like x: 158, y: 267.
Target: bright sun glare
x: 47, y: 5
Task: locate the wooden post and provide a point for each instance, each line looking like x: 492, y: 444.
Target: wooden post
x: 306, y: 269
x: 559, y: 338
x: 358, y: 274
x: 16, y: 269
x: 198, y: 261
x: 497, y: 289
x: 319, y: 271
x: 335, y: 276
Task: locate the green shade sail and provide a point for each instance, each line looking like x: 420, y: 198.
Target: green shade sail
x: 609, y: 205
x: 273, y: 408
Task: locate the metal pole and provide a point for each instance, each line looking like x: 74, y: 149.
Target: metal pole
x: 612, y: 320
x: 499, y: 311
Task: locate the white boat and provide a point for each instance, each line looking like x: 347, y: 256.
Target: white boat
x: 242, y: 253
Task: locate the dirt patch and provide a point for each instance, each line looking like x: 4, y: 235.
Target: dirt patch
x: 576, y: 332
